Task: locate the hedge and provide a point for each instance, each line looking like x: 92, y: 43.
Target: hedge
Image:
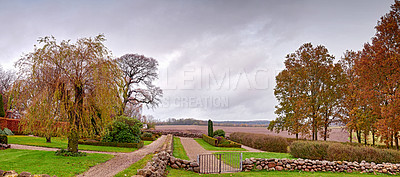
x: 148, y: 138
x: 261, y: 141
x: 3, y: 139
x: 113, y: 144
x: 214, y: 142
x: 334, y: 151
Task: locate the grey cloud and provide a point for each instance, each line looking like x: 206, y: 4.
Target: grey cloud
x: 215, y: 35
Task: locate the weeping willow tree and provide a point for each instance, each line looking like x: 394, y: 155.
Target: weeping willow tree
x: 67, y: 88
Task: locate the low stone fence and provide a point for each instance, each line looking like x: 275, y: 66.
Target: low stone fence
x: 168, y: 145
x: 317, y: 165
x: 177, y: 133
x: 22, y: 174
x: 158, y: 164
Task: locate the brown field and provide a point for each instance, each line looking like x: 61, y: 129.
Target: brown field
x: 336, y: 134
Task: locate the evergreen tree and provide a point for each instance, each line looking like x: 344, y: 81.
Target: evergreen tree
x: 2, y: 113
x: 210, y: 128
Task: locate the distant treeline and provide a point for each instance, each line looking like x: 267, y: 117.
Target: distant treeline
x: 192, y: 121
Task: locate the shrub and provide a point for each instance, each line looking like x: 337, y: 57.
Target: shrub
x: 219, y: 132
x: 220, y: 141
x: 113, y: 144
x: 210, y: 140
x: 63, y: 152
x: 261, y: 141
x: 124, y: 130
x: 2, y: 132
x: 8, y: 131
x: 3, y: 139
x: 147, y: 134
x: 334, y: 151
x: 309, y: 149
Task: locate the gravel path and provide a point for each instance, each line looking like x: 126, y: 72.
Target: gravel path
x: 18, y: 146
x: 193, y: 148
x: 123, y: 161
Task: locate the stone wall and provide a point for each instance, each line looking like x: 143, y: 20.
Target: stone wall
x: 177, y: 133
x: 22, y: 174
x: 158, y: 164
x: 317, y: 165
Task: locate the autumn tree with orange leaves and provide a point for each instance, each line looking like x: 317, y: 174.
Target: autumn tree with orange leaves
x: 379, y: 72
x: 305, y: 92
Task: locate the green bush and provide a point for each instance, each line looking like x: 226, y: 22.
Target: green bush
x: 147, y: 135
x: 309, y: 149
x: 210, y: 140
x: 63, y: 152
x: 3, y: 139
x: 219, y: 132
x: 8, y: 131
x: 261, y: 141
x: 124, y: 130
x: 220, y: 142
x: 2, y: 132
x: 334, y: 151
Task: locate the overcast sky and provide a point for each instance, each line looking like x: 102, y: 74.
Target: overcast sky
x: 218, y: 58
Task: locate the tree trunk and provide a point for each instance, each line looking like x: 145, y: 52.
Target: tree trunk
x: 75, y: 119
x: 358, y: 132
x: 48, y: 139
x: 365, y: 137
x: 396, y: 140
x: 391, y: 139
x: 73, y: 142
x: 373, y: 137
x: 325, y: 132
x: 351, y: 135
x: 297, y: 136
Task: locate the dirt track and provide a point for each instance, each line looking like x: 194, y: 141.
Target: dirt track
x: 336, y: 134
x: 123, y: 161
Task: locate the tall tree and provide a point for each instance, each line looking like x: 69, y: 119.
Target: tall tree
x: 379, y: 71
x: 75, y: 81
x: 2, y: 113
x: 7, y: 78
x: 300, y: 90
x: 136, y: 85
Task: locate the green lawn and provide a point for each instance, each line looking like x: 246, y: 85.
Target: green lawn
x: 132, y: 170
x: 45, y: 162
x: 181, y: 173
x: 265, y: 155
x: 179, y: 151
x: 58, y: 142
x: 209, y: 147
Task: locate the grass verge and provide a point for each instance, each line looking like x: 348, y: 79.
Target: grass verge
x: 132, y: 170
x: 209, y: 147
x: 183, y: 173
x: 45, y: 162
x: 62, y: 143
x: 179, y: 151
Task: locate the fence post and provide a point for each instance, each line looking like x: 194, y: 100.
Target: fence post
x: 220, y: 163
x: 241, y: 159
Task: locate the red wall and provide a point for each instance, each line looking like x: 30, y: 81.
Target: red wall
x: 11, y: 124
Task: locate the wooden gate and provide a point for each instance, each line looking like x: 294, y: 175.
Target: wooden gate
x: 220, y: 163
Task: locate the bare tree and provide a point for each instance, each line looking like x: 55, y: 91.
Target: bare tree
x: 137, y: 86
x: 6, y: 79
